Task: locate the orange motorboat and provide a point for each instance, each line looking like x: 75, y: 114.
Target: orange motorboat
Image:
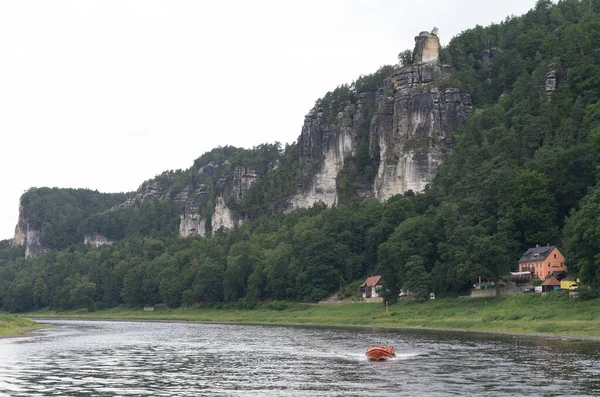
x: 380, y: 352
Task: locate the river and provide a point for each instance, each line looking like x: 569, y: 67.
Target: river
x: 115, y: 358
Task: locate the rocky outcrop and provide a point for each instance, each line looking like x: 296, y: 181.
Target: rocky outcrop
x: 413, y: 128
x: 400, y: 128
x: 427, y: 48
x: 237, y: 182
x: 223, y: 217
x: 27, y: 236
x: 550, y: 80
x: 326, y: 146
x: 21, y: 230
x: 192, y: 221
x: 489, y: 56
x: 415, y: 114
x: 204, y: 209
x: 96, y: 239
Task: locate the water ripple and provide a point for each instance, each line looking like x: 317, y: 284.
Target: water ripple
x: 79, y: 358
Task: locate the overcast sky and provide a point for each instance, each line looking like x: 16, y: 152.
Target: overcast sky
x: 107, y: 94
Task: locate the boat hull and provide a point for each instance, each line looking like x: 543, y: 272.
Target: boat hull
x: 380, y: 354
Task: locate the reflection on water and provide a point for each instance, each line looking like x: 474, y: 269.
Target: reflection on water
x: 89, y: 358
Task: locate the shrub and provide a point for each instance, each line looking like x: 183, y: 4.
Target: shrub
x: 587, y: 293
x: 276, y: 305
x: 247, y: 303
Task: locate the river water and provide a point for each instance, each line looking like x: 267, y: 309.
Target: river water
x: 104, y: 358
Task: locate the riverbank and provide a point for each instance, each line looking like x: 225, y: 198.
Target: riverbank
x: 551, y: 316
x: 12, y: 326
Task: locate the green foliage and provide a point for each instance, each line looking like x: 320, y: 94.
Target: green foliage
x: 405, y: 58
x: 59, y: 213
x: 372, y: 82
x: 418, y: 280
x: 276, y: 305
x: 582, y: 238
x: 587, y: 294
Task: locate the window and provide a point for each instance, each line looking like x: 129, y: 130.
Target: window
x: 548, y: 264
x: 554, y: 256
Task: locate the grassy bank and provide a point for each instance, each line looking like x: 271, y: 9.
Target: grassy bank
x: 554, y: 315
x: 11, y: 325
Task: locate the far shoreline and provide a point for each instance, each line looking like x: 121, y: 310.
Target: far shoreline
x: 524, y: 335
x: 562, y: 317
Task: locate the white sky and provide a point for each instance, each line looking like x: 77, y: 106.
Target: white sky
x: 107, y: 94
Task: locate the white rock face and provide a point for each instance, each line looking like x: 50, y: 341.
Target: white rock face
x: 191, y: 225
x: 427, y: 48
x: 323, y: 189
x: 413, y: 171
x: 223, y: 217
x: 411, y: 121
x: 550, y: 82
x: 96, y: 240
x: 33, y: 246
x: 20, y: 231
x: 27, y: 236
x: 413, y: 137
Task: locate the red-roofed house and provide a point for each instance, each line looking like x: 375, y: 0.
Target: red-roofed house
x: 370, y: 288
x: 550, y: 284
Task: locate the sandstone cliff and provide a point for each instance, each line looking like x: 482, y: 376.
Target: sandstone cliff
x: 413, y: 127
x: 96, y: 240
x: 203, y: 208
x: 415, y: 113
x: 27, y: 235
x: 394, y: 133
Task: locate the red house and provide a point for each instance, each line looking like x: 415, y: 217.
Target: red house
x: 370, y: 288
x: 542, y: 261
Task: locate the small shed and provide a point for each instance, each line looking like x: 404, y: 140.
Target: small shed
x: 550, y: 283
x: 370, y: 288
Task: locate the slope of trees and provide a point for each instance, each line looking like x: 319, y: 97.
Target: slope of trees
x: 524, y: 171
x: 60, y: 213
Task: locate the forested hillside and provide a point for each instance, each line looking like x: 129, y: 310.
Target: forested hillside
x: 60, y: 213
x: 523, y: 171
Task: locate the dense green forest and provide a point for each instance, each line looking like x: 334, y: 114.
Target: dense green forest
x: 61, y: 213
x: 523, y: 171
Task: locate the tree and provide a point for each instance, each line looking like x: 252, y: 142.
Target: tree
x: 210, y: 284
x: 41, y: 295
x: 405, y: 58
x: 533, y: 208
x: 582, y: 239
x: 418, y: 280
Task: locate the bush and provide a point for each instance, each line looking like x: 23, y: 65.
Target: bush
x: 536, y: 282
x: 276, y: 305
x: 587, y: 293
x: 247, y: 303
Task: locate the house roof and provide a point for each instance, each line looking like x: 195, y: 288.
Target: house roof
x: 371, y: 281
x: 551, y: 281
x: 536, y: 254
